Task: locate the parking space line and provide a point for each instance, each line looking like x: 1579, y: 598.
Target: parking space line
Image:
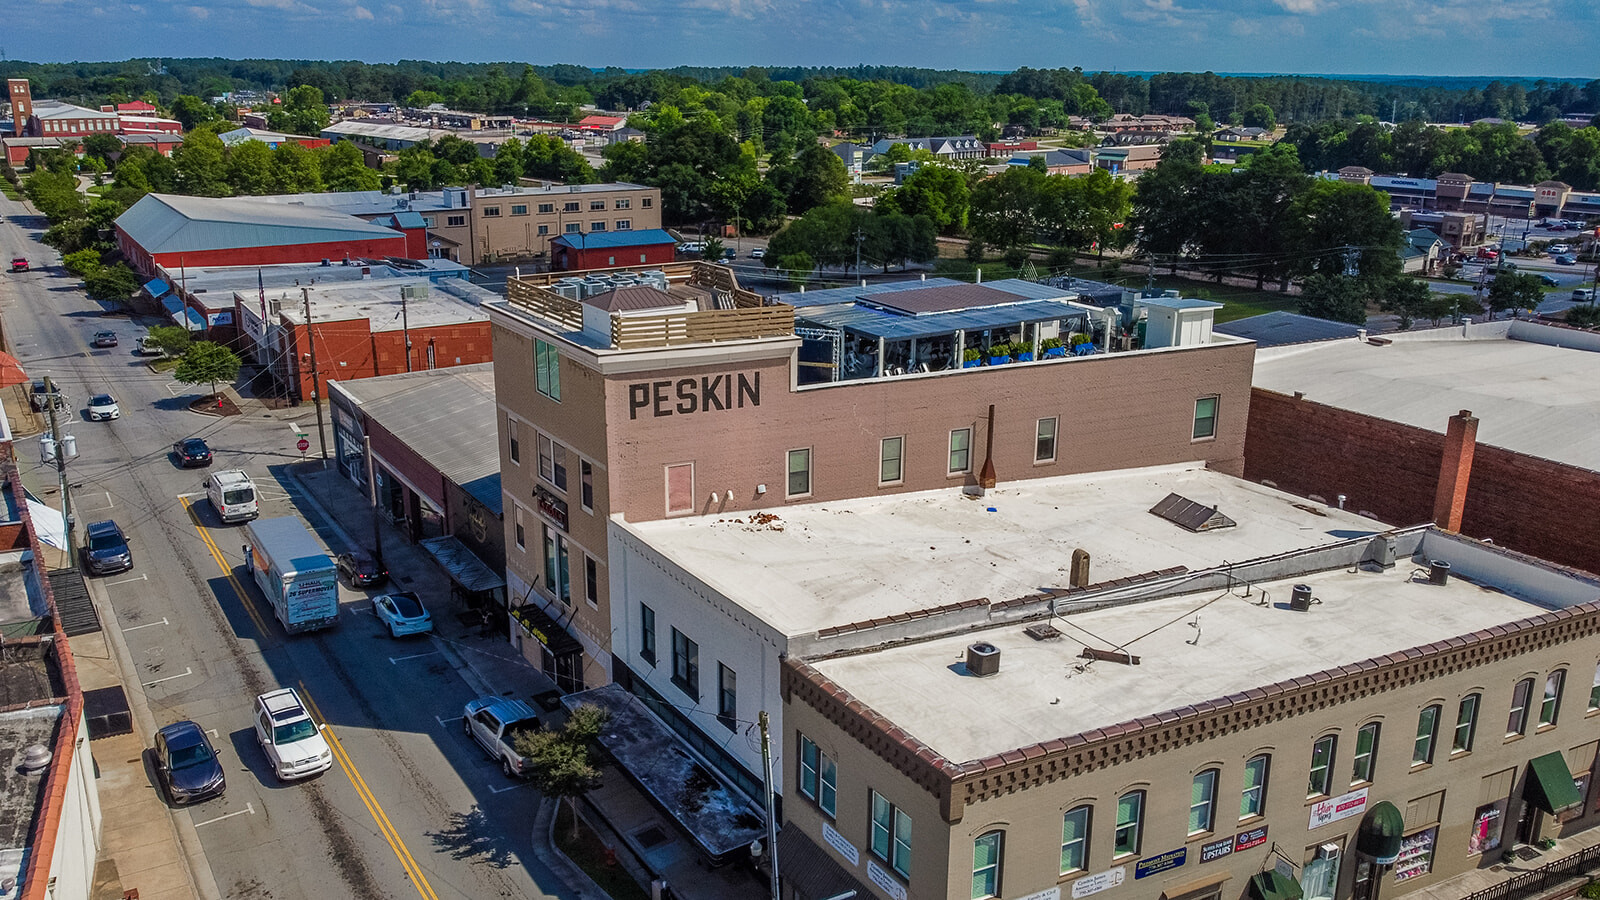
x: 147, y: 625
x: 445, y: 723
x: 511, y: 787
x: 393, y: 660
x: 127, y: 581
x: 227, y: 572
x: 186, y: 671
x: 249, y: 810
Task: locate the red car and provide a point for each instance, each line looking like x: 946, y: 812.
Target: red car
x: 19, y: 264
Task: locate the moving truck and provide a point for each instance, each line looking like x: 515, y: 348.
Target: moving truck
x: 293, y: 571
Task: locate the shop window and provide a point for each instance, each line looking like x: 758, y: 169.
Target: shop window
x: 686, y: 664
x: 1130, y: 819
x: 1044, y: 441
x: 1075, y: 840
x: 799, y: 473
x: 1550, y: 707
x: 1517, y: 722
x: 960, y: 451
x: 890, y: 459
x: 1202, y: 801
x: 1253, y: 800
x: 1320, y: 878
x: 1365, y: 759
x: 1321, y: 766
x: 986, y: 856
x: 647, y: 634
x: 819, y: 777
x: 1427, y: 731
x: 1466, y: 724
x: 1205, y: 418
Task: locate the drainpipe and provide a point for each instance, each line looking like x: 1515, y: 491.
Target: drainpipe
x: 986, y: 477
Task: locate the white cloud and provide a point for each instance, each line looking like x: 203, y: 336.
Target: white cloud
x: 1298, y: 6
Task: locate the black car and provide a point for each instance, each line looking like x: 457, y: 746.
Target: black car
x: 192, y: 453
x: 187, y: 764
x: 108, y: 551
x: 360, y: 570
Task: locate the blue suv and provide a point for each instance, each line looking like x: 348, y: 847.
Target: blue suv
x: 108, y: 551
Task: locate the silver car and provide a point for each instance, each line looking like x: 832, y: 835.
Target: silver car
x: 103, y: 407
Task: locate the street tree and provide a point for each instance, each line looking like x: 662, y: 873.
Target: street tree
x: 559, y: 764
x: 345, y: 169
x: 171, y: 340
x: 1337, y: 297
x: 939, y: 192
x: 207, y: 362
x: 1513, y: 290
x: 111, y: 283
x: 1408, y: 298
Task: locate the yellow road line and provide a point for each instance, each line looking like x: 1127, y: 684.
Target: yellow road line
x: 385, y: 827
x: 227, y: 571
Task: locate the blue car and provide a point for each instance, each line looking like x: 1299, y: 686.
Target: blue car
x: 187, y: 765
x: 108, y: 552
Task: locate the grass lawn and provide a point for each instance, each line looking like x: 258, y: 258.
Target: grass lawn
x: 10, y: 191
x: 590, y: 854
x: 98, y: 189
x: 166, y: 364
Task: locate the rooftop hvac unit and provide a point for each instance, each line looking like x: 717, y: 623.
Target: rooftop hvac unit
x: 983, y: 659
x: 413, y: 291
x: 1300, y: 598
x: 566, y: 289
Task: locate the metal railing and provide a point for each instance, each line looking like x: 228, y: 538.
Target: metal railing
x: 1534, y: 882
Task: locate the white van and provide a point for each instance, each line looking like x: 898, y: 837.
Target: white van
x: 233, y: 495
x: 1583, y: 295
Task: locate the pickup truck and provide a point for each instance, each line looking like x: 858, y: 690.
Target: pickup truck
x: 495, y: 723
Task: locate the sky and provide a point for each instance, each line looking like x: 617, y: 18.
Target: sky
x: 1530, y: 38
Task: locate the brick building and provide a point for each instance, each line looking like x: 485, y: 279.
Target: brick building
x: 608, y: 250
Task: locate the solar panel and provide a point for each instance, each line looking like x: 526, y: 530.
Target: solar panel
x: 1186, y: 513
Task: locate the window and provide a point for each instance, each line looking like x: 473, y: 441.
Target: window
x: 547, y: 369
x: 544, y: 229
x: 960, y: 450
x: 799, y: 473
x: 516, y: 445
x: 1517, y: 722
x: 546, y: 457
x: 1551, y: 705
x: 597, y: 226
x: 1202, y: 801
x: 522, y: 537
x: 1594, y: 690
x: 819, y: 777
x: 571, y: 206
x: 519, y: 209
x: 1321, y: 766
x: 491, y: 212
x: 1366, y: 753
x: 890, y: 471
x: 1427, y: 729
x: 591, y: 580
x: 647, y: 634
x: 428, y: 221
x: 596, y: 205
x: 557, y: 576
x: 1466, y: 724
x: 686, y: 664
x: 891, y: 835
x: 586, y: 485
x: 1044, y: 441
x: 986, y: 852
x: 560, y: 458
x: 1253, y: 799
x: 624, y: 224
x: 1075, y: 840
x: 455, y: 221
x: 1205, y: 418
x: 545, y: 208
x: 574, y: 228
x: 1130, y: 813
x: 623, y: 203
x: 727, y: 697
x: 647, y: 202
x: 680, y: 488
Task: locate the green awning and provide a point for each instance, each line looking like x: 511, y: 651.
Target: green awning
x: 1549, y: 786
x: 1380, y: 832
x: 1274, y: 885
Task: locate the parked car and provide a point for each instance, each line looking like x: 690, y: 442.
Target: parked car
x: 1548, y: 280
x: 1556, y: 249
x: 730, y: 254
x: 143, y: 347
x: 103, y: 407
x: 1583, y: 295
x: 360, y: 570
x: 692, y: 247
x: 1557, y: 226
x: 192, y: 453
x: 105, y: 338
x: 186, y: 764
x: 1566, y: 259
x: 41, y: 398
x: 19, y: 264
x: 758, y: 253
x: 291, y: 740
x: 495, y: 723
x: 108, y: 552
x: 403, y: 613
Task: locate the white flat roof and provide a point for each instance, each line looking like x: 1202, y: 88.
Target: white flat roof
x: 379, y: 303
x: 1044, y: 691
x: 849, y: 561
x: 1529, y: 397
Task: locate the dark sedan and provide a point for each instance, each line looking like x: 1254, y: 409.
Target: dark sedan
x: 108, y: 551
x: 187, y: 764
x: 192, y: 453
x: 360, y: 570
x: 105, y: 338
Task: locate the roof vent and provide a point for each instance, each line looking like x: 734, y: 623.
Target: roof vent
x: 983, y: 659
x: 1042, y: 631
x: 1438, y: 572
x: 1186, y: 513
x: 35, y: 759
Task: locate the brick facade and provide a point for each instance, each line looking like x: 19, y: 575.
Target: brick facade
x: 348, y: 349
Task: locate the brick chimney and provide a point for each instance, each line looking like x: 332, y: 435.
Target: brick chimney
x: 1455, y: 469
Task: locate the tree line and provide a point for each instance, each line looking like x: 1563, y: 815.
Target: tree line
x: 1487, y: 152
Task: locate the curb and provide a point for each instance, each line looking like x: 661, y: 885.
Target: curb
x: 544, y: 846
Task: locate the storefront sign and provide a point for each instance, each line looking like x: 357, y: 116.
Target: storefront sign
x: 834, y: 839
x: 1161, y: 862
x: 1216, y: 849
x: 551, y: 506
x: 1343, y: 806
x: 1046, y: 894
x: 889, y: 883
x: 686, y: 396
x: 1099, y: 881
x: 1244, y: 840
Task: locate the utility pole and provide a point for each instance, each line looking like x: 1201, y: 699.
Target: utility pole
x: 766, y: 797
x: 861, y: 238
x: 372, y: 492
x: 405, y: 327
x: 316, y: 390
x: 59, y: 449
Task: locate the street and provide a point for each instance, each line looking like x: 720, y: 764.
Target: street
x: 411, y: 808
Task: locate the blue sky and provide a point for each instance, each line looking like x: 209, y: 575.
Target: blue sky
x: 1431, y: 37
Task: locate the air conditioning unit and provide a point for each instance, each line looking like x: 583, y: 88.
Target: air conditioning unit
x: 1330, y: 852
x: 983, y: 659
x: 1300, y: 598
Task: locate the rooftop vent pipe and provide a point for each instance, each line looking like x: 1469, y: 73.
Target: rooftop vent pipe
x: 1438, y: 572
x: 35, y: 759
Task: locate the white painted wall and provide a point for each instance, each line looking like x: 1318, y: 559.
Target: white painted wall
x: 1534, y: 580
x: 78, y: 835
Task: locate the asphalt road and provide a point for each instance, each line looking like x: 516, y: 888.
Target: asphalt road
x: 412, y: 809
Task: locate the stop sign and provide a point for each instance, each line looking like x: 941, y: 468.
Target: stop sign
x: 303, y: 445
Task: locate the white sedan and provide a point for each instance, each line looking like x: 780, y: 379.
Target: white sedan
x: 103, y: 406
x: 403, y: 613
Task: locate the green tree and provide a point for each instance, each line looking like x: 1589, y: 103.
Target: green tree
x: 1260, y: 115
x: 1337, y: 227
x: 1337, y: 297
x: 296, y: 169
x: 1513, y: 290
x: 1408, y: 298
x: 304, y: 111
x: 936, y: 191
x: 714, y: 249
x: 422, y: 99
x: 345, y: 169
x: 558, y: 761
x: 55, y: 194
x: 81, y: 262
x: 1005, y: 208
x: 206, y: 362
x: 1166, y: 205
x: 248, y: 169
x: 171, y: 340
x: 192, y: 111
x: 104, y: 147
x: 815, y: 177
x: 202, y: 170
x: 111, y: 283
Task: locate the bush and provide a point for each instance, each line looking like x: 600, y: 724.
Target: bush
x: 1016, y: 256
x: 111, y: 283
x: 81, y: 262
x: 1590, y: 891
x: 975, y: 250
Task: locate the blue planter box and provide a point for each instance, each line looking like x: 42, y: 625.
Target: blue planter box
x: 971, y: 363
x: 1054, y: 352
x: 1023, y: 357
x: 999, y: 360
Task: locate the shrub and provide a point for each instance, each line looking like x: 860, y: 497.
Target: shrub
x: 81, y: 262
x: 111, y: 282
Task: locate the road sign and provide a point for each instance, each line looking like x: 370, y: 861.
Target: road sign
x: 303, y: 445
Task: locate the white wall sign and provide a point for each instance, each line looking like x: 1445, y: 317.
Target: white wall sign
x: 834, y: 839
x: 1341, y: 807
x: 1099, y: 881
x: 1046, y: 894
x: 889, y: 883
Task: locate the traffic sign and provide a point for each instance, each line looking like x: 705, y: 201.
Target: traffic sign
x: 303, y: 445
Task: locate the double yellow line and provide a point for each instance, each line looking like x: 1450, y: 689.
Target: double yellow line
x: 387, y: 829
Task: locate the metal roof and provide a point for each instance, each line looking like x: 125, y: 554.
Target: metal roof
x: 462, y: 565
x: 162, y: 223
x: 850, y: 293
x: 1180, y: 303
x: 894, y: 327
x: 603, y: 239
x: 942, y: 299
x: 633, y: 297
x: 1279, y: 327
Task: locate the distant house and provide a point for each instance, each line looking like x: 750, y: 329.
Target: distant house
x: 1130, y: 138
x: 270, y: 138
x: 962, y: 147
x: 854, y: 156
x: 1059, y: 162
x: 1242, y: 133
x: 598, y: 124
x: 1123, y: 160
x: 1122, y: 122
x: 1423, y: 252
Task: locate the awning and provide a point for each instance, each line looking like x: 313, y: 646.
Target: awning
x: 1380, y: 832
x: 546, y: 630
x: 155, y: 287
x: 11, y: 371
x: 1549, y: 786
x: 810, y: 871
x: 462, y: 565
x: 1274, y: 885
x: 191, y: 320
x: 720, y: 820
